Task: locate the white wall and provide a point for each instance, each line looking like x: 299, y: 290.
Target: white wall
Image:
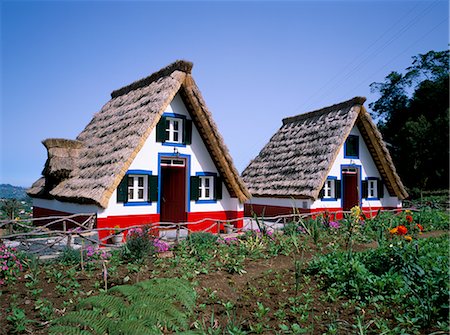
x: 368, y: 169
x: 200, y: 161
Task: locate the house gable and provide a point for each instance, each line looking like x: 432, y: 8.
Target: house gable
x: 117, y: 133
x: 298, y: 158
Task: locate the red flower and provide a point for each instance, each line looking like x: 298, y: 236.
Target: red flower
x: 402, y: 230
x: 419, y: 226
x: 409, y: 218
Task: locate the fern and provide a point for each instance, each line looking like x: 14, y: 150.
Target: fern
x: 88, y: 319
x: 133, y: 328
x: 141, y: 309
x: 108, y: 303
x: 68, y: 330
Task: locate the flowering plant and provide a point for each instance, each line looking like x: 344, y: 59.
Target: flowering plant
x: 115, y: 231
x: 93, y: 253
x: 10, y: 264
x: 160, y: 246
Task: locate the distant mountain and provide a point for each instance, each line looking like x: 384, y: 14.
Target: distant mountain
x: 8, y: 191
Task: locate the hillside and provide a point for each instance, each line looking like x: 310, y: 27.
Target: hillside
x: 8, y: 191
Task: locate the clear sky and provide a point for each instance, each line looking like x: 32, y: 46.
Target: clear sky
x: 255, y: 62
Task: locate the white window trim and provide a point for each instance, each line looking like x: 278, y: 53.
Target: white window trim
x: 135, y: 187
x: 171, y: 130
x: 372, y: 189
x: 328, y: 188
x: 202, y: 188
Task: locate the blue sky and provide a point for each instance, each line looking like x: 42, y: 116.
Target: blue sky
x: 255, y: 62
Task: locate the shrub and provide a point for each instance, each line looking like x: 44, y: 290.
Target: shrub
x: 10, y: 264
x: 138, y: 246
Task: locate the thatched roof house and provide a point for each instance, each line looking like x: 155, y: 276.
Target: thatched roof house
x: 299, y: 158
x: 109, y: 143
x: 89, y: 169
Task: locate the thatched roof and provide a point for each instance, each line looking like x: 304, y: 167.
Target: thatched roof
x: 118, y: 131
x: 298, y: 158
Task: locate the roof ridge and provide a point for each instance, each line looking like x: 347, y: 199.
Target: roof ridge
x: 180, y: 65
x: 354, y: 101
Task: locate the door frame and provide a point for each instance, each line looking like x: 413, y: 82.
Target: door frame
x: 358, y: 181
x: 187, y: 158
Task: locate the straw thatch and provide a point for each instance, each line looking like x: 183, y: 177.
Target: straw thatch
x: 118, y: 131
x: 298, y: 158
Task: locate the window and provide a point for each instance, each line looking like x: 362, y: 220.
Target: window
x: 351, y: 147
x: 174, y: 130
x: 138, y: 187
x: 372, y: 189
x: 331, y: 189
x: 206, y: 187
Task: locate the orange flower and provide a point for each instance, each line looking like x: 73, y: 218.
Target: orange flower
x: 393, y: 231
x: 408, y: 238
x: 402, y: 230
x: 409, y: 218
x: 419, y: 226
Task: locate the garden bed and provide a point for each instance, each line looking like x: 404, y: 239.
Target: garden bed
x: 262, y: 282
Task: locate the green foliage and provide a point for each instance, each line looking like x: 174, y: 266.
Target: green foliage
x: 417, y: 124
x: 18, y: 321
x: 70, y: 256
x: 144, y: 308
x: 411, y: 275
x: 139, y: 245
x: 201, y: 245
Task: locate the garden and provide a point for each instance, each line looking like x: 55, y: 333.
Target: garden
x: 388, y: 274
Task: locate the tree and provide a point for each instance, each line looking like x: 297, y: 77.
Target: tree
x: 413, y: 116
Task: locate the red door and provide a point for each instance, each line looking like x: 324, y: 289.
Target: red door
x: 351, y: 195
x: 173, y: 194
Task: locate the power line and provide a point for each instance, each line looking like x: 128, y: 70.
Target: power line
x: 350, y: 69
x: 400, y: 54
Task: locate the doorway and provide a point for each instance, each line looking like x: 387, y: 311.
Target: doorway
x: 350, y: 181
x: 173, y: 190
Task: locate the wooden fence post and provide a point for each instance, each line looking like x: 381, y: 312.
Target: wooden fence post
x: 177, y: 237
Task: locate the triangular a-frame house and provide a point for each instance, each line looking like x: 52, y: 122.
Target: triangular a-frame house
x: 152, y: 153
x: 330, y: 159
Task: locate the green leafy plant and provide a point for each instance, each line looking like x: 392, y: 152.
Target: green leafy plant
x: 18, y: 320
x: 143, y: 308
x: 139, y: 245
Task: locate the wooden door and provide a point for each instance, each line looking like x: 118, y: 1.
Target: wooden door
x: 173, y: 194
x: 350, y: 185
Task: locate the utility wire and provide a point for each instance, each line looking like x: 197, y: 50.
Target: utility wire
x: 398, y: 55
x: 351, y: 69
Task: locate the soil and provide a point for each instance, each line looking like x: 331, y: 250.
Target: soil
x: 270, y: 282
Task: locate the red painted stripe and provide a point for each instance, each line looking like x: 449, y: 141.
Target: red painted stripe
x: 271, y: 211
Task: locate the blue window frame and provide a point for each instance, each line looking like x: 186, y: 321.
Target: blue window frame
x: 329, y: 191
x: 351, y: 147
x: 206, y: 187
x: 137, y: 189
